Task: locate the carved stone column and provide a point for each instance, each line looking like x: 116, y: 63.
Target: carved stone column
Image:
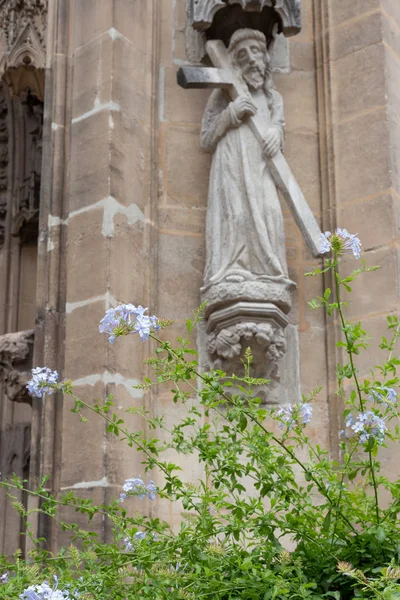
x: 15, y: 364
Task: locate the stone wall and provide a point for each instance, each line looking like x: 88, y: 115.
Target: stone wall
x: 124, y: 196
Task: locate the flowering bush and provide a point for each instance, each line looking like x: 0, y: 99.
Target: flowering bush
x: 273, y: 517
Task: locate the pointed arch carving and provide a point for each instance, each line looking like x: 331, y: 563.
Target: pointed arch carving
x: 23, y: 45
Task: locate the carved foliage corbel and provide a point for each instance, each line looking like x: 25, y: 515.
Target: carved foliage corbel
x: 15, y: 363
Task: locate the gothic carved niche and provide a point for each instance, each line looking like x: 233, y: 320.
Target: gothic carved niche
x: 15, y: 363
x: 246, y: 13
x: 23, y: 44
x: 26, y: 197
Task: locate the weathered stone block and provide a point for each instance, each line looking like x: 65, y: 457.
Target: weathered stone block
x: 92, y: 75
x: 356, y: 34
x: 186, y: 165
x: 89, y: 170
x: 302, y: 154
x: 180, y: 281
x: 392, y: 8
x: 302, y: 55
x: 82, y: 333
x: 313, y: 361
x: 342, y: 10
x: 362, y: 303
x: 191, y: 103
x: 359, y: 79
x: 135, y: 20
x: 391, y: 32
x: 363, y: 164
x: 87, y: 256
x: 132, y: 79
x: 373, y: 219
x: 92, y: 18
x: 82, y: 455
x: 128, y: 260
x: 181, y: 219
x: 299, y: 94
x: 129, y: 160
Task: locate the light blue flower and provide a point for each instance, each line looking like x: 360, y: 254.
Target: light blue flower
x: 295, y: 415
x: 42, y: 381
x: 367, y: 424
x: 325, y: 245
x: 151, y: 490
x: 339, y: 242
x: 126, y: 319
x: 377, y: 395
x: 44, y: 592
x: 5, y: 577
x: 135, y: 486
x: 138, y: 537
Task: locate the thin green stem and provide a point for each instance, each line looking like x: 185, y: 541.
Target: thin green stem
x: 341, y: 491
x: 355, y: 377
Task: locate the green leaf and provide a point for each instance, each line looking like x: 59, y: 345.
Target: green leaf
x: 327, y: 522
x: 380, y: 534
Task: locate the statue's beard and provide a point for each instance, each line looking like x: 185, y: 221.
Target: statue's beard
x: 254, y: 76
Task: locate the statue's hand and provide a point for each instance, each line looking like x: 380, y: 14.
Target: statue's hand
x: 272, y: 142
x: 244, y: 107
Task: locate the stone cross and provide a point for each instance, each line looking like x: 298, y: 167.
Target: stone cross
x: 224, y: 76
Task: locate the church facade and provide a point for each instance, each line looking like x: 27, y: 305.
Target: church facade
x: 104, y: 192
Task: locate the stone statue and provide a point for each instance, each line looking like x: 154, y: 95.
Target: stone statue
x: 245, y: 235
x: 247, y: 289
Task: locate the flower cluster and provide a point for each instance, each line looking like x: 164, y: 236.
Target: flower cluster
x: 295, y: 415
x: 383, y: 395
x: 136, y: 487
x: 44, y: 592
x: 367, y: 424
x: 5, y: 577
x: 42, y: 382
x: 339, y: 242
x: 126, y: 319
x: 139, y: 535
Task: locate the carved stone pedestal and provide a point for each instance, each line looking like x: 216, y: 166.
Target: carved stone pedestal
x: 264, y: 328
x: 15, y: 364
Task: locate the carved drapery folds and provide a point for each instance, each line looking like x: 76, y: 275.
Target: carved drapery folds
x: 15, y: 363
x: 287, y: 14
x: 23, y: 44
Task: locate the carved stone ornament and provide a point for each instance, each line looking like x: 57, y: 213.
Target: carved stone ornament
x: 23, y: 44
x: 15, y: 363
x: 204, y: 11
x: 260, y: 326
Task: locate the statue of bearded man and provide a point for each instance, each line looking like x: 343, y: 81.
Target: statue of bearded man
x: 245, y: 235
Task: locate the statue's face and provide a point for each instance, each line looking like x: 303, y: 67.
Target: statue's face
x: 252, y: 61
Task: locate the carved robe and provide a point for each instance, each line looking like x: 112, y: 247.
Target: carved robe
x: 245, y: 237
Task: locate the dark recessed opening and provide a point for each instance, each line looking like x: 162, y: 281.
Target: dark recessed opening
x: 231, y: 18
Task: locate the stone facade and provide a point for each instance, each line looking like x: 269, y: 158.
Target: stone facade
x: 110, y: 202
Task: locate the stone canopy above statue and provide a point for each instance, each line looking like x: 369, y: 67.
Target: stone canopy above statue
x: 219, y: 19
